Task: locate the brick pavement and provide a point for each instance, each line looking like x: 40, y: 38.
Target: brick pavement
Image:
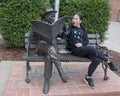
x: 16, y: 85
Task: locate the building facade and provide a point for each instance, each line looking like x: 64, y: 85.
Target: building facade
x: 115, y: 10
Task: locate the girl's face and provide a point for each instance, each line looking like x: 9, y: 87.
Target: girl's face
x: 76, y: 21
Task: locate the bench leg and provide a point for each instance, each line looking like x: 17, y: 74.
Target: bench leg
x: 105, y: 66
x: 27, y: 80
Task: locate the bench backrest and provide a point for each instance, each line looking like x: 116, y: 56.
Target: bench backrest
x: 94, y: 39
x: 30, y: 41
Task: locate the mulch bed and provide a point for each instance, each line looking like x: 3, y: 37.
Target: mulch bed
x: 16, y: 54
x: 11, y: 53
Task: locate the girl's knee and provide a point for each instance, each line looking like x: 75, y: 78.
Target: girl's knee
x: 96, y: 61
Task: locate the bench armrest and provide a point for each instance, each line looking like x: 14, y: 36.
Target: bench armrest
x: 103, y: 49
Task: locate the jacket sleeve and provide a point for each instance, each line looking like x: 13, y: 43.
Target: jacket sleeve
x: 85, y: 38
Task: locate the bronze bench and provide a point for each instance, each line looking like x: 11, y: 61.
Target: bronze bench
x: 65, y: 56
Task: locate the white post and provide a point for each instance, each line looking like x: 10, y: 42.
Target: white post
x: 56, y: 8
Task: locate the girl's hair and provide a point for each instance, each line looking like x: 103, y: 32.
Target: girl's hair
x: 80, y: 16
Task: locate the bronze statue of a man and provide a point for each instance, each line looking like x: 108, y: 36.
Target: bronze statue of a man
x: 50, y: 52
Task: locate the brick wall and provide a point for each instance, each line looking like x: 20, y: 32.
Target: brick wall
x: 115, y: 9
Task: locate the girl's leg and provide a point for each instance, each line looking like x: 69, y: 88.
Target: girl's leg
x: 89, y: 50
x: 95, y: 62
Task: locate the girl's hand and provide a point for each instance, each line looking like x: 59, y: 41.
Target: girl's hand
x: 78, y: 44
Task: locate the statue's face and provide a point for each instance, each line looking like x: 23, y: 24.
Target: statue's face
x: 50, y: 17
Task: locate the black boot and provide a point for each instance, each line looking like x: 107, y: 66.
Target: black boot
x: 113, y: 67
x: 46, y: 86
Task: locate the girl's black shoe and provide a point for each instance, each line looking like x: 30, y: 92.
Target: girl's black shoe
x: 113, y: 67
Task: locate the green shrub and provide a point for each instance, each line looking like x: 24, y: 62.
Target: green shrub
x: 96, y: 13
x: 15, y: 17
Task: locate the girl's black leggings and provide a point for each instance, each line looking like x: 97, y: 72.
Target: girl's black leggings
x: 95, y: 55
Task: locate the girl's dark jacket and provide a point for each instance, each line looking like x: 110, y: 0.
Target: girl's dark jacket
x: 76, y: 35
